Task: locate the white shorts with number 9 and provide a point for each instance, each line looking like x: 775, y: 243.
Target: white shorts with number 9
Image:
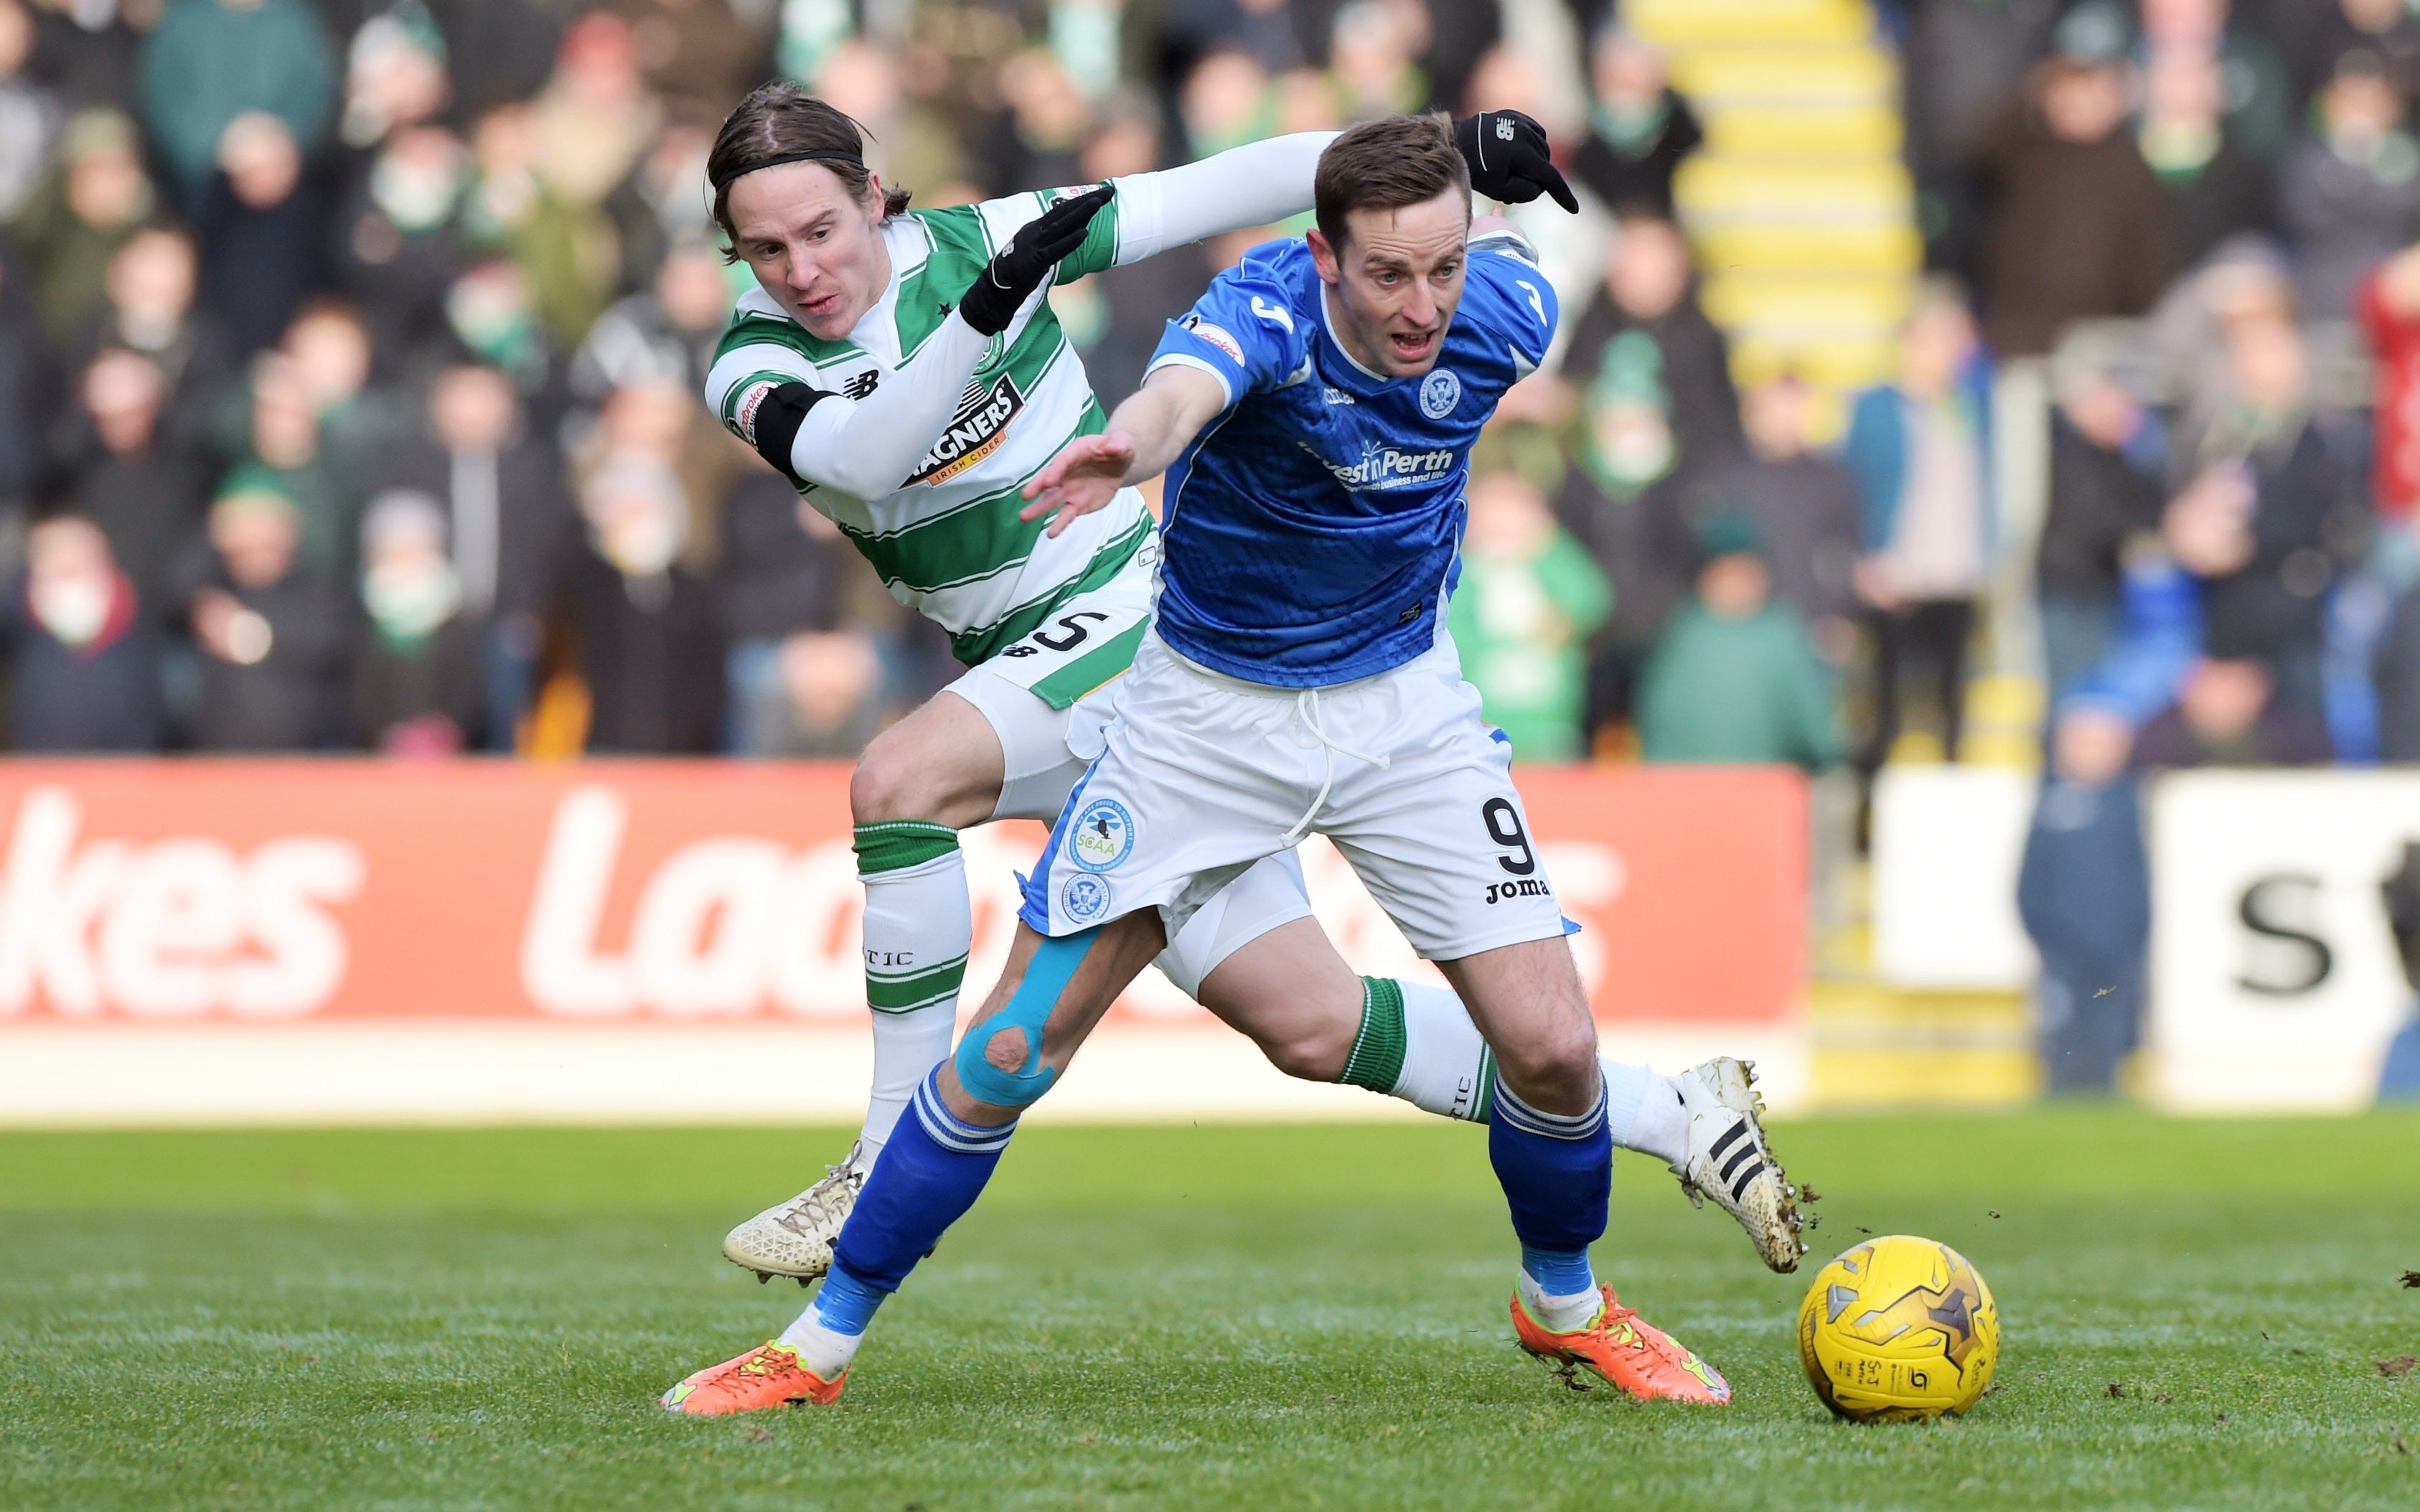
x: 1203, y: 777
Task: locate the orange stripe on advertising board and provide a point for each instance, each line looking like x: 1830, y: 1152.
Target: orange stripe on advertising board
x: 283, y: 891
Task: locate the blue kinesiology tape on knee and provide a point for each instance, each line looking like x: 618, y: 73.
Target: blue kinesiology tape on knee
x: 1047, y: 975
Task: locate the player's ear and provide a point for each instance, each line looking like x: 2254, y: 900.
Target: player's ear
x: 1323, y: 256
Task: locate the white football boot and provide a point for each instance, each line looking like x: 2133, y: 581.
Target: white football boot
x: 795, y: 1237
x: 1730, y: 1160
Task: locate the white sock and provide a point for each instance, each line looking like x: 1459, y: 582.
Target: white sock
x: 821, y: 1349
x: 907, y: 1047
x: 919, y: 928
x: 1446, y: 1067
x: 1657, y: 1125
x: 1560, y: 1314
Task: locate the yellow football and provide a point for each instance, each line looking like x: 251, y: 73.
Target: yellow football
x: 1898, y: 1328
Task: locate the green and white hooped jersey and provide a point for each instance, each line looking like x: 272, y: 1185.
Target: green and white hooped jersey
x: 947, y: 541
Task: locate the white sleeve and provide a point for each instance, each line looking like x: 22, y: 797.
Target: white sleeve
x: 1255, y: 184
x: 868, y: 446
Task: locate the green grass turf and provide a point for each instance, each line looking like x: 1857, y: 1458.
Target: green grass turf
x: 1183, y: 1317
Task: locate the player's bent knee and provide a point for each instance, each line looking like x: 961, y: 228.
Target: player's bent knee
x: 999, y: 1059
x: 1019, y: 1084
x: 885, y: 787
x: 1314, y: 1056
x: 1006, y: 1049
x: 1560, y: 1062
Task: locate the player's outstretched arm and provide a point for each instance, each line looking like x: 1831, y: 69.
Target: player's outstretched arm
x: 1144, y: 435
x: 1256, y: 184
x: 868, y: 446
x: 1262, y: 182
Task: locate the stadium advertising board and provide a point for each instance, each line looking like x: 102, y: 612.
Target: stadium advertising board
x: 1947, y: 841
x: 2274, y: 983
x: 298, y: 938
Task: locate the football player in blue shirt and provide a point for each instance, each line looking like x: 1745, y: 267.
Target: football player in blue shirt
x: 1315, y: 414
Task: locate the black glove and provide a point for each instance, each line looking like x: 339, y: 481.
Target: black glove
x: 1510, y: 160
x: 1020, y: 267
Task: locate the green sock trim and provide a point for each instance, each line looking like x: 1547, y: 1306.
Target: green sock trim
x: 895, y: 844
x: 915, y: 989
x: 1378, y: 1059
x: 1484, y: 1103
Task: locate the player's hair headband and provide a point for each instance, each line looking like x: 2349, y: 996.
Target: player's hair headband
x: 820, y: 154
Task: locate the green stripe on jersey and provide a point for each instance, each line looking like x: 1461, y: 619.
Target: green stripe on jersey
x: 749, y: 328
x: 974, y: 647
x: 1062, y: 688
x: 972, y: 542
x: 958, y: 257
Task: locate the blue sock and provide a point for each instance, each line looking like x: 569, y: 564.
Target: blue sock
x: 1556, y: 1171
x: 1559, y: 1273
x: 847, y: 1303
x: 929, y: 1173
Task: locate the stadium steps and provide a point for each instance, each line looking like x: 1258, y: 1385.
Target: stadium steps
x: 1876, y: 1046
x: 1800, y: 209
x: 1675, y: 23
x: 1802, y: 215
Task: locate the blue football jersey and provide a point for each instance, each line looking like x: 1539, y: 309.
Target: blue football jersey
x: 1311, y: 528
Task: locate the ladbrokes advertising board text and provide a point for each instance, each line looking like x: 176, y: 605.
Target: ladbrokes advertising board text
x: 306, y: 894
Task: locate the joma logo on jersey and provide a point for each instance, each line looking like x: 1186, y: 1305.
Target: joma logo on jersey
x: 975, y: 432
x: 1387, y: 468
x: 1527, y: 888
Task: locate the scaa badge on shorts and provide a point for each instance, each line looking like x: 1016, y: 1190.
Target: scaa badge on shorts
x: 1439, y: 393
x: 1102, y: 835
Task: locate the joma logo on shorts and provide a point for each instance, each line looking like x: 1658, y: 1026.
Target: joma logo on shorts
x: 975, y: 432
x: 1505, y: 891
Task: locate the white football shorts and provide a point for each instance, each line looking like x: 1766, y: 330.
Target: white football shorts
x: 1015, y: 695
x: 1203, y: 777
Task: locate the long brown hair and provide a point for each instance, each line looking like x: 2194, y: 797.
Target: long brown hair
x: 779, y: 122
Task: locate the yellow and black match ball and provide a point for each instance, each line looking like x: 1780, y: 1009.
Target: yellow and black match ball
x: 1898, y: 1328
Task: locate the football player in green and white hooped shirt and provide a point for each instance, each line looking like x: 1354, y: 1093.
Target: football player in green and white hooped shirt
x: 903, y: 369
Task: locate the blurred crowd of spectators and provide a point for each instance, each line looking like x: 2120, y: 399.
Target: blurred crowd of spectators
x: 349, y: 354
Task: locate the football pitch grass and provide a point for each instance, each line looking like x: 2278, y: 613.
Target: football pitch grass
x: 2194, y: 1315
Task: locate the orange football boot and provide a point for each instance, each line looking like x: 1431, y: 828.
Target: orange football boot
x: 1628, y: 1350
x: 769, y: 1375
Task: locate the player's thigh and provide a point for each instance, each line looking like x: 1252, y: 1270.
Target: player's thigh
x: 1255, y: 957
x: 941, y: 765
x: 1269, y: 895
x: 1036, y: 768
x: 1291, y: 994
